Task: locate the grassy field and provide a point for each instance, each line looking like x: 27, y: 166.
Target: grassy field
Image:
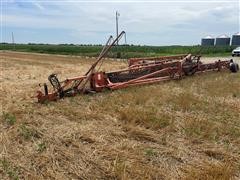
x: 187, y: 129
x: 120, y: 51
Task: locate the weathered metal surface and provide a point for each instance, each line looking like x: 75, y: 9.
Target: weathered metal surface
x: 140, y: 71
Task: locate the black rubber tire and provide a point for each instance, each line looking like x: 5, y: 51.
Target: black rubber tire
x: 234, y: 67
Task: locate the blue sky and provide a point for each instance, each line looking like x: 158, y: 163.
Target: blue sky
x: 154, y: 22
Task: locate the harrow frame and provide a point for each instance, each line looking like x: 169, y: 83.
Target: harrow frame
x: 140, y: 71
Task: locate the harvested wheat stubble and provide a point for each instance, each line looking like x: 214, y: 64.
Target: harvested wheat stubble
x: 188, y: 129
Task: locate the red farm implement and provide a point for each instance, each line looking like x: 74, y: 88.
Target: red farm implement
x: 140, y: 71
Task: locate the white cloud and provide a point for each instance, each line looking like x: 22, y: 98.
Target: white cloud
x: 38, y: 5
x: 155, y: 19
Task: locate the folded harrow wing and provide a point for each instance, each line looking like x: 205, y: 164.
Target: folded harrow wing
x: 140, y: 71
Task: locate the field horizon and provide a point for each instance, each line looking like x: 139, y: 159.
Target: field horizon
x: 120, y: 51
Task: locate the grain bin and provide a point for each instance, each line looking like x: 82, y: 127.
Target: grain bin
x: 236, y: 39
x: 208, y: 41
x: 223, y: 40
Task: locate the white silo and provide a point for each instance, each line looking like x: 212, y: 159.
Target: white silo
x: 236, y: 39
x: 208, y: 41
x: 223, y: 40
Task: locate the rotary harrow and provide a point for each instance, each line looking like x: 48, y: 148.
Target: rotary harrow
x: 139, y: 71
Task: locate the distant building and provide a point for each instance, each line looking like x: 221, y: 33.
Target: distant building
x: 208, y: 41
x: 223, y: 40
x: 236, y: 39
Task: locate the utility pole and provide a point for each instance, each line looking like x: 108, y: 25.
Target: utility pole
x: 13, y: 41
x: 117, y: 15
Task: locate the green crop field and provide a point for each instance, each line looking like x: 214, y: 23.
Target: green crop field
x: 122, y: 51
